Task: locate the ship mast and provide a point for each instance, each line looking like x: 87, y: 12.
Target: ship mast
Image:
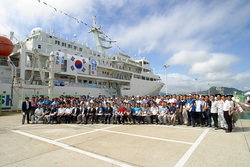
x: 98, y: 39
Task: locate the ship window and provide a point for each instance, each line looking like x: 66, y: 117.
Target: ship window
x: 143, y: 77
x: 85, y: 81
x: 55, y: 41
x: 58, y: 42
x: 151, y: 79
x: 69, y: 46
x: 90, y: 82
x: 39, y: 46
x: 80, y: 49
x: 75, y: 47
x: 98, y: 55
x: 147, y: 78
x: 65, y: 44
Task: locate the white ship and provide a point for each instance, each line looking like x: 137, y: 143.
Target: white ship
x: 45, y: 64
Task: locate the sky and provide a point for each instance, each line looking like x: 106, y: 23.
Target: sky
x: 204, y: 39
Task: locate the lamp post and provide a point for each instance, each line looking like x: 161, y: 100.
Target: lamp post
x: 208, y: 90
x: 166, y: 66
x: 196, y: 84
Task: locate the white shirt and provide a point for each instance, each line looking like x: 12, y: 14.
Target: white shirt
x: 68, y: 110
x: 214, y: 107
x: 172, y: 100
x: 154, y: 110
x: 38, y: 111
x: 227, y: 105
x: 61, y: 110
x: 198, y: 104
x: 220, y: 106
x: 27, y: 104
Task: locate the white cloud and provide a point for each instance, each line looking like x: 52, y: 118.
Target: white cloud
x: 185, y: 26
x: 201, y: 62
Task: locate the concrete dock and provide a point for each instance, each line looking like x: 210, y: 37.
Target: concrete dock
x: 121, y: 145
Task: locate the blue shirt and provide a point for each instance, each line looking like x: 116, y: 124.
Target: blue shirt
x: 190, y: 102
x: 163, y: 109
x: 136, y: 110
x: 48, y: 102
x: 172, y: 110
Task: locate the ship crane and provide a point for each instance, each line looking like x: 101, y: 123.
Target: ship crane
x: 99, y: 39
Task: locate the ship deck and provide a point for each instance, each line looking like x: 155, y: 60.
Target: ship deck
x: 121, y: 145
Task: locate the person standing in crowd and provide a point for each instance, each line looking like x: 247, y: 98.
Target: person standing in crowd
x: 47, y: 101
x: 179, y: 110
x: 207, y: 110
x: 223, y: 124
x: 214, y: 111
x: 228, y: 108
x: 190, y: 110
x: 184, y: 110
x: 33, y: 106
x: 26, y: 106
x: 198, y: 110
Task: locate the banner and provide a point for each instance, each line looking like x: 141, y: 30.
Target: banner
x: 93, y: 67
x: 59, y: 61
x: 77, y: 64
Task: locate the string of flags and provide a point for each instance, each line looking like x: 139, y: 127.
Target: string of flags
x: 78, y: 21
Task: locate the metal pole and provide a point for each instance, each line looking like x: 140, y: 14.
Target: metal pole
x: 166, y: 66
x: 196, y: 84
x: 208, y: 90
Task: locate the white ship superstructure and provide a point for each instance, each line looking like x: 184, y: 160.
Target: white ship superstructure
x: 46, y: 64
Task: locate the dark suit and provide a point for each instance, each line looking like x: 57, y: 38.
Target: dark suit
x: 54, y: 117
x: 90, y: 113
x: 26, y: 111
x: 100, y: 111
x: 108, y: 114
x: 75, y: 113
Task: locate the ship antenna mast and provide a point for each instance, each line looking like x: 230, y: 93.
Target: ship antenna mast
x: 98, y: 39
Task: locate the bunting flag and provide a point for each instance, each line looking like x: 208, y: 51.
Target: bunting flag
x: 79, y: 21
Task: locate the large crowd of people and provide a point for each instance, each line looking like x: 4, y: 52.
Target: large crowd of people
x: 192, y: 110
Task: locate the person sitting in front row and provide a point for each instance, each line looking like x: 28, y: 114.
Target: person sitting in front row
x: 154, y: 113
x: 108, y: 113
x: 61, y: 113
x: 38, y: 115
